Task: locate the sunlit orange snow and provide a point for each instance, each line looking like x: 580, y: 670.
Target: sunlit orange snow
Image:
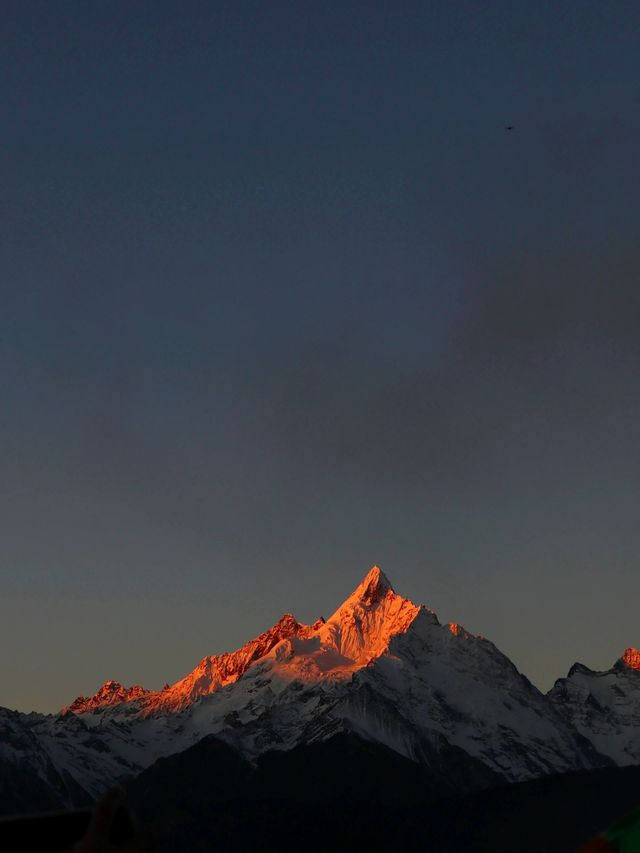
x: 358, y: 632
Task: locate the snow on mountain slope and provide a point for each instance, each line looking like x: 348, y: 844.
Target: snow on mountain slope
x: 28, y: 776
x: 387, y: 669
x: 604, y: 706
x: 212, y: 673
x: 357, y: 633
x: 361, y: 628
x: 460, y: 686
x: 111, y: 693
x: 217, y: 671
x: 380, y: 666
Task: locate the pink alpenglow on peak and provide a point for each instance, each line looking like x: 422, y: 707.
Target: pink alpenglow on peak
x: 216, y: 671
x: 631, y: 658
x: 357, y: 633
x: 458, y: 631
x: 212, y: 673
x: 361, y: 628
x: 373, y: 587
x: 111, y: 693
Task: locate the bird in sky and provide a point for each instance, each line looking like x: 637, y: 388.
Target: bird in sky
x: 509, y: 127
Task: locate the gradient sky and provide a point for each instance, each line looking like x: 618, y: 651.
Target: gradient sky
x: 281, y: 299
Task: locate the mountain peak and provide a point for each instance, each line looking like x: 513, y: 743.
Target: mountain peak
x: 286, y: 622
x: 217, y: 671
x: 372, y: 588
x: 359, y: 631
x: 363, y: 625
x: 111, y: 693
x: 631, y: 658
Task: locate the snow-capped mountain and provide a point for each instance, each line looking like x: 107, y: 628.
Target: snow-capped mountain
x: 381, y: 668
x: 604, y: 706
x: 212, y: 673
x: 357, y: 633
x: 111, y: 693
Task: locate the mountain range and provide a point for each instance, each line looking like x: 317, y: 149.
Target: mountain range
x: 444, y: 705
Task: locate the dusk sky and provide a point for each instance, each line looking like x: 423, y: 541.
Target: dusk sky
x: 282, y: 298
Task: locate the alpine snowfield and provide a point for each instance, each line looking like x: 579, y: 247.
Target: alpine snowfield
x: 381, y: 668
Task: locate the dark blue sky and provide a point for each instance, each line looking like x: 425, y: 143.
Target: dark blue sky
x: 281, y: 299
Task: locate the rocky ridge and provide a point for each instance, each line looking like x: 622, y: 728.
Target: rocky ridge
x: 381, y: 668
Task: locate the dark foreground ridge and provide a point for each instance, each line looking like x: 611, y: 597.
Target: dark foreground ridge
x: 348, y: 794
